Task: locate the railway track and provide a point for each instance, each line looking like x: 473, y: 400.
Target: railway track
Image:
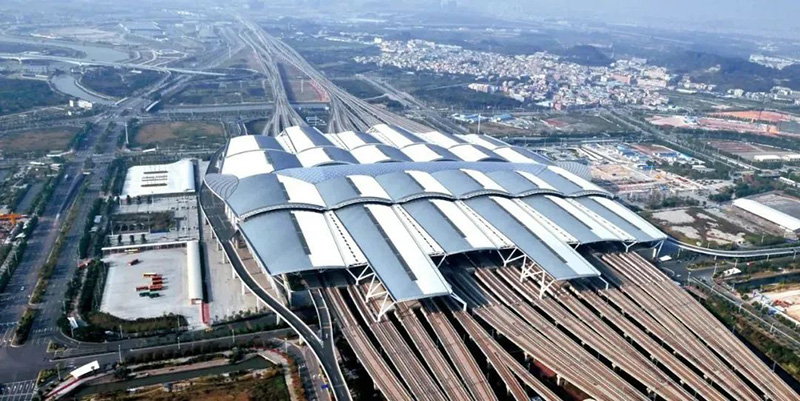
x: 701, y: 323
x: 615, y: 349
x: 464, y: 363
x: 373, y: 363
x: 444, y: 374
x: 417, y: 379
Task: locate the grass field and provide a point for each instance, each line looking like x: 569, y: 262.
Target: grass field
x: 179, y: 133
x: 17, y: 95
x: 37, y: 141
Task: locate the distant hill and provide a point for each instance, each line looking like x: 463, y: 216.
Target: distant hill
x: 586, y: 55
x: 728, y: 72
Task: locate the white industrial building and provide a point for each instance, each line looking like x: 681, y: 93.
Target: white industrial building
x: 160, y: 180
x: 787, y: 222
x: 193, y: 272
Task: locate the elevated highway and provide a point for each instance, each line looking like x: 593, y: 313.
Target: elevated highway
x: 738, y: 254
x: 77, y: 61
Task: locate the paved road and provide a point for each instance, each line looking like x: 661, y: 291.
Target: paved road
x: 77, y: 61
x: 324, y: 351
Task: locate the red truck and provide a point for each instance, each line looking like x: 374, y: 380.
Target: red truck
x: 156, y: 287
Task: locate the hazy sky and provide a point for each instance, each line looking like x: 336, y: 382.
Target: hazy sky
x: 782, y: 15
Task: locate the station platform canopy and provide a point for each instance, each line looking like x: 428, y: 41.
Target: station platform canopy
x: 398, y: 203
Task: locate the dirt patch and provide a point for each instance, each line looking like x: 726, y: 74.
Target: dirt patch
x: 788, y: 298
x: 700, y: 226
x: 181, y: 132
x: 41, y: 140
x: 678, y: 216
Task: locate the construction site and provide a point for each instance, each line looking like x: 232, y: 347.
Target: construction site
x: 628, y: 171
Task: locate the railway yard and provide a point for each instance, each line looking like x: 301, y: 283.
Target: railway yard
x: 642, y: 337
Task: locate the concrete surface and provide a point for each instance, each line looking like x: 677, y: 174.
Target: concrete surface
x: 225, y: 296
x: 121, y: 299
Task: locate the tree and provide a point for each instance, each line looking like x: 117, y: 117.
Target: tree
x: 128, y: 199
x: 119, y: 239
x: 138, y: 200
x: 143, y: 238
x: 149, y: 199
x: 121, y: 372
x: 133, y: 240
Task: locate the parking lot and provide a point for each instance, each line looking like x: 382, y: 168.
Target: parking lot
x: 121, y: 299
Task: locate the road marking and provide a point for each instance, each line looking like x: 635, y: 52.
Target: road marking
x: 18, y: 391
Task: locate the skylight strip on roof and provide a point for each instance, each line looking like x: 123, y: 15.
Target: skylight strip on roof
x: 391, y: 245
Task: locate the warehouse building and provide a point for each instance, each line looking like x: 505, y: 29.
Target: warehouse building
x: 173, y: 179
x: 785, y: 221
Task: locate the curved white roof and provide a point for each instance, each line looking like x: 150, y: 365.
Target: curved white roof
x: 344, y: 200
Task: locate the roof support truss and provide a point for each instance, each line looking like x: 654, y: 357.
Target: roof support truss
x: 459, y: 300
x: 365, y: 273
x: 375, y: 289
x: 531, y: 270
x: 514, y: 255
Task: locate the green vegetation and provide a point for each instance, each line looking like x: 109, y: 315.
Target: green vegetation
x: 237, y: 90
x: 115, y: 177
x: 758, y: 185
x: 187, y: 134
x: 149, y: 326
x: 24, y: 326
x: 586, y: 55
x: 462, y: 98
x: 672, y: 201
x: 267, y: 385
x: 78, y: 139
x: 37, y: 142
x: 17, y: 95
x: 118, y: 82
x: 732, y: 72
x: 721, y: 171
x: 270, y: 389
x: 46, y: 271
x: 358, y: 87
x: 100, y: 207
x: 771, y: 345
x: 18, y: 251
